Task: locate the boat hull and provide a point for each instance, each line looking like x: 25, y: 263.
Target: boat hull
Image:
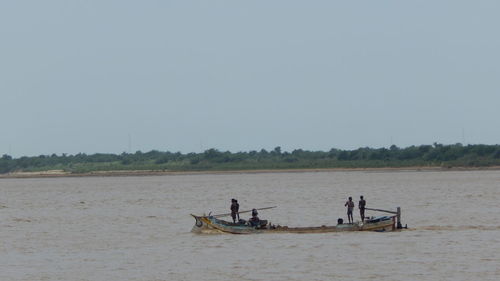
x: 209, y: 224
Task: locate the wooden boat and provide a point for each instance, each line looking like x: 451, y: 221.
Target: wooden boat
x: 211, y: 224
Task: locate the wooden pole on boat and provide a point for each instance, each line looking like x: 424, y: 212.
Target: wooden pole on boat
x: 380, y: 210
x: 228, y: 214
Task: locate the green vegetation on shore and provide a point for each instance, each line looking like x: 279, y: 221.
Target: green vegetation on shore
x: 437, y: 155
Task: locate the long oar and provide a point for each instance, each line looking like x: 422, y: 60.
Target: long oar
x: 228, y: 214
x: 380, y: 210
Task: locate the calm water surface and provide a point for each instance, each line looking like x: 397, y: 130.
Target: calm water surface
x: 138, y: 228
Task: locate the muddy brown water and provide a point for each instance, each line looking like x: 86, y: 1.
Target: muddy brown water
x: 138, y: 228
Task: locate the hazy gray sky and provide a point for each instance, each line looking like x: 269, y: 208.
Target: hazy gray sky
x: 100, y: 76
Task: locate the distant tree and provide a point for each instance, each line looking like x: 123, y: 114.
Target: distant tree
x: 212, y: 153
x: 162, y: 160
x: 424, y: 148
x: 343, y: 155
x: 290, y: 159
x: 6, y: 157
x: 496, y: 154
x: 333, y: 153
x: 194, y: 161
x: 277, y: 150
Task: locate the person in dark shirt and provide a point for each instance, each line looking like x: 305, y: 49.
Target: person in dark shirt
x: 362, y: 205
x: 350, y: 206
x: 235, y: 208
x: 254, y: 220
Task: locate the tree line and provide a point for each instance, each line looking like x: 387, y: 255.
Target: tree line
x: 436, y: 155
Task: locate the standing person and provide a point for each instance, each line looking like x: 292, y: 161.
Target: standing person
x: 362, y: 205
x: 235, y: 208
x: 350, y: 206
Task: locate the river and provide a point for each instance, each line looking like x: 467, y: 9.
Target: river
x: 138, y: 228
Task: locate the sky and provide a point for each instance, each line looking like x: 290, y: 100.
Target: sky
x: 122, y: 76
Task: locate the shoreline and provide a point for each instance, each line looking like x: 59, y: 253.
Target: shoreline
x: 131, y: 173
